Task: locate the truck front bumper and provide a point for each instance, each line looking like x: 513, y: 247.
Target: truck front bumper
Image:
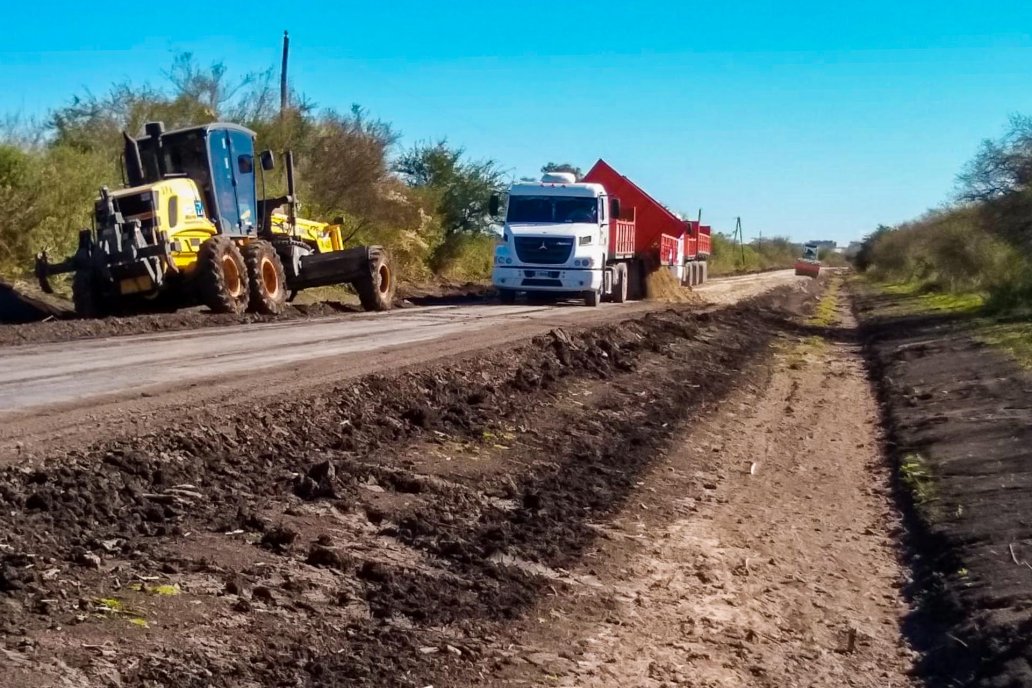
x: 561, y: 280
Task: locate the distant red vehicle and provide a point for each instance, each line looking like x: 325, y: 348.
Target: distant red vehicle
x: 808, y: 265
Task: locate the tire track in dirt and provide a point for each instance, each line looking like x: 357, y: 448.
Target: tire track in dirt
x: 762, y: 552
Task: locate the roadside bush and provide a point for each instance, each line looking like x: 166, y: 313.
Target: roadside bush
x: 767, y: 254
x: 950, y: 251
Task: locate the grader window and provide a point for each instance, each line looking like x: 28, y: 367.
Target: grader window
x: 173, y: 212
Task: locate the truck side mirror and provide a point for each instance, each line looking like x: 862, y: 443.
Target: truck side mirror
x: 614, y: 208
x: 268, y: 161
x: 494, y: 204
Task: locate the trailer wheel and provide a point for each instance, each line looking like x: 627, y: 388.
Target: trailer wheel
x: 620, y: 283
x: 222, y: 276
x: 507, y: 296
x: 266, y: 278
x: 376, y: 290
x: 85, y: 296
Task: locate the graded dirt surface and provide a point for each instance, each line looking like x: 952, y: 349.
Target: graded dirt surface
x: 406, y: 529
x: 70, y: 393
x: 758, y: 551
x: 960, y: 427
x: 63, y: 326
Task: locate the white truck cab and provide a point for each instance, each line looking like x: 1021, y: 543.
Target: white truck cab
x: 555, y: 239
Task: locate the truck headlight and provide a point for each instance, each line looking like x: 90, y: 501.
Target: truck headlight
x: 585, y: 240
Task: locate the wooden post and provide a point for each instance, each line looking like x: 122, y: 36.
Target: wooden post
x: 283, y: 75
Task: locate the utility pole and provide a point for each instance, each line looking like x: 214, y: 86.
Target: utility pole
x: 740, y: 238
x: 283, y: 97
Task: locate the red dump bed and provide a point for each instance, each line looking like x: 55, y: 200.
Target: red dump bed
x: 652, y: 220
x: 704, y: 241
x: 621, y: 235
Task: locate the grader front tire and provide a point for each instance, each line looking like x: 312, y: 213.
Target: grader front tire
x: 222, y: 276
x: 376, y: 290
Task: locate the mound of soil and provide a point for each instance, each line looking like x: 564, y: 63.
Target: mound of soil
x: 22, y: 304
x: 443, y: 293
x: 960, y: 428
x: 372, y: 535
x: 661, y: 285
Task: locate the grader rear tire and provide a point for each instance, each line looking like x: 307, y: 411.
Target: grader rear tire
x: 266, y: 278
x: 222, y: 276
x: 376, y: 290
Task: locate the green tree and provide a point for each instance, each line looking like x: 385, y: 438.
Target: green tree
x: 462, y: 188
x: 563, y: 167
x: 1002, y: 166
x: 865, y: 255
x: 458, y: 190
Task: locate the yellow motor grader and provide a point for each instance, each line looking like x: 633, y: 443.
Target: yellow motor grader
x: 189, y: 228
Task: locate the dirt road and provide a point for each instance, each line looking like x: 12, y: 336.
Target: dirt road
x: 64, y: 394
x: 575, y: 510
x: 759, y: 552
x: 47, y: 374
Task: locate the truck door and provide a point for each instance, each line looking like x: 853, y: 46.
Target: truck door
x: 232, y: 174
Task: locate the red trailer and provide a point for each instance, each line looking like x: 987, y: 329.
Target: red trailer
x: 660, y: 237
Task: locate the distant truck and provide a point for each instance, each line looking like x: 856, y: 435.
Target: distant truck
x: 597, y: 238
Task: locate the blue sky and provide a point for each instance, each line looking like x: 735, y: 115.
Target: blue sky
x: 808, y: 119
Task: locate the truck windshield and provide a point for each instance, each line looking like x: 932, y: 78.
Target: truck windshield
x: 553, y: 209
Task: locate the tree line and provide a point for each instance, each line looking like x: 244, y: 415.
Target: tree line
x: 426, y: 203
x: 980, y: 240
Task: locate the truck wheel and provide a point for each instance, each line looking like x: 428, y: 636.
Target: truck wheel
x: 376, y: 291
x: 266, y: 278
x: 507, y: 296
x: 85, y: 298
x: 592, y: 298
x: 222, y: 276
x: 635, y: 280
x: 620, y: 283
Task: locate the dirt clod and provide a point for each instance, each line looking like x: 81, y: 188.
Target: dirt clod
x: 279, y: 538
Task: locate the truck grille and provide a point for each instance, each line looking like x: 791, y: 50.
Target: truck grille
x: 544, y: 251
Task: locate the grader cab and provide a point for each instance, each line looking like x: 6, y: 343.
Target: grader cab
x: 190, y: 228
